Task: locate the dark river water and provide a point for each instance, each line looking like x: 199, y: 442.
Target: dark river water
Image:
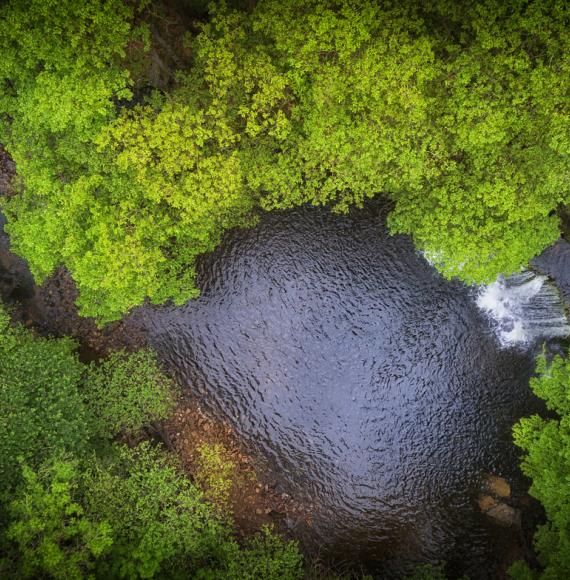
x: 372, y: 388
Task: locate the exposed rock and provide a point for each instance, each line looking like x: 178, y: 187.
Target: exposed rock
x: 492, y: 502
x: 500, y: 512
x: 486, y: 502
x: 498, y: 486
x: 554, y: 262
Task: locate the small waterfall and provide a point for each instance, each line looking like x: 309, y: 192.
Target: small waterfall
x: 524, y: 307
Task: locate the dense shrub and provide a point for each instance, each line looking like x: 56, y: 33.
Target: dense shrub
x: 125, y: 392
x: 266, y: 556
x: 429, y: 572
x: 159, y: 519
x: 71, y: 508
x: 42, y: 410
x: 131, y: 515
x: 50, y: 530
x: 50, y: 402
x: 546, y: 443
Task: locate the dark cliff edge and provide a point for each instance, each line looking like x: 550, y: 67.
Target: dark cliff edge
x: 554, y: 262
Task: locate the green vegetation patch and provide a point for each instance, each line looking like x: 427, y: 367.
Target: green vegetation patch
x: 546, y: 443
x: 457, y: 112
x: 74, y: 503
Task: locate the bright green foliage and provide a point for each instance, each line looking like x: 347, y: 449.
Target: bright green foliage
x: 267, y: 557
x: 41, y: 408
x: 457, y: 112
x: 61, y: 61
x: 499, y: 129
x: 215, y: 475
x: 547, y: 461
x: 357, y: 70
x: 243, y: 91
x: 51, y: 530
x: 125, y: 203
x: 171, y: 190
x: 321, y: 100
x: 62, y: 74
x: 125, y: 392
x: 184, y: 168
x: 61, y: 65
x: 462, y: 124
x: 159, y: 519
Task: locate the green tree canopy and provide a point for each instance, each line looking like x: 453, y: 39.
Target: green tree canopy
x: 457, y: 112
x: 127, y: 391
x: 546, y: 443
x: 50, y: 403
x: 50, y: 531
x: 41, y: 407
x: 499, y: 120
x: 62, y: 73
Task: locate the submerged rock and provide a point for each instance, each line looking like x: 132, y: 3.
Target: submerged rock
x: 498, y: 486
x: 492, y: 503
x: 500, y: 512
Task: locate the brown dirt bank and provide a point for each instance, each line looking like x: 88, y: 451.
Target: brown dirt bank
x: 254, y: 501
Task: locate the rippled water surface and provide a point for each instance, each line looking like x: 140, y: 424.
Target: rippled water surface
x: 374, y: 389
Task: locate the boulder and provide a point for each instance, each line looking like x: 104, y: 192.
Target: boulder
x: 498, y: 511
x: 498, y: 486
x: 492, y: 502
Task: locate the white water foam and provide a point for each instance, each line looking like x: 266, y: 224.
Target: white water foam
x: 523, y: 308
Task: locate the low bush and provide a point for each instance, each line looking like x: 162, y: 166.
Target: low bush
x: 71, y: 508
x: 125, y: 392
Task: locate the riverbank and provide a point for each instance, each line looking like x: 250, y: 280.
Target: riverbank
x: 49, y: 310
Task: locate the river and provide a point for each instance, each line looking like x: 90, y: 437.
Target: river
x: 373, y: 389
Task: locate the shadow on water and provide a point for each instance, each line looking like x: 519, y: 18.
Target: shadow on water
x: 375, y: 390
